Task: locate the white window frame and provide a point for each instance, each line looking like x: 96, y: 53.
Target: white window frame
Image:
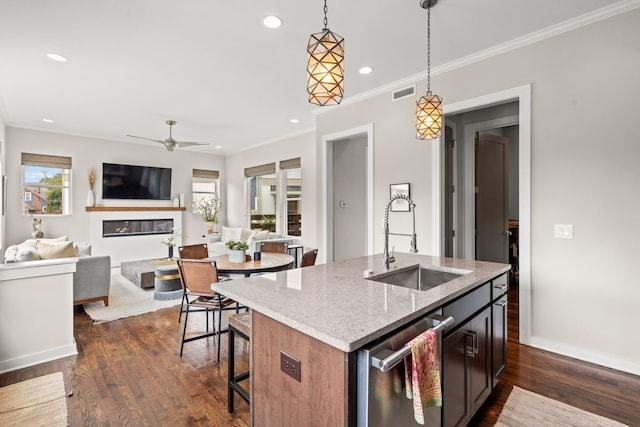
x: 201, y: 177
x: 48, y: 164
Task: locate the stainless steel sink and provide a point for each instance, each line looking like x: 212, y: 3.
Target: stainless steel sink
x: 419, y: 277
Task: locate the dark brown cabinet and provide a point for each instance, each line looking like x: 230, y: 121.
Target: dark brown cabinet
x: 499, y: 337
x: 466, y: 371
x: 474, y: 352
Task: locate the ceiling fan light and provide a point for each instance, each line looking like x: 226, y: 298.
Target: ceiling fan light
x: 325, y: 68
x: 429, y: 117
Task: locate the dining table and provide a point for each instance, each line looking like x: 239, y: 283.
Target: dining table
x: 269, y: 262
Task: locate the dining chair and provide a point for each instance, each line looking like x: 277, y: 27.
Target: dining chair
x: 198, y: 251
x: 197, y: 275
x: 278, y: 247
x: 309, y: 258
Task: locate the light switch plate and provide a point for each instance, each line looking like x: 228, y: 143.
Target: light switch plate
x: 563, y: 231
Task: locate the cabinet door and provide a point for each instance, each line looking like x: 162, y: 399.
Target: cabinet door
x: 455, y: 410
x: 480, y: 385
x: 499, y: 338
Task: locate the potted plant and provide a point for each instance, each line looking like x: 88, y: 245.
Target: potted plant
x: 237, y: 251
x: 209, y: 208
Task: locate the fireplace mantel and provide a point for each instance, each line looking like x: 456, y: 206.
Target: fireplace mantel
x: 133, y: 208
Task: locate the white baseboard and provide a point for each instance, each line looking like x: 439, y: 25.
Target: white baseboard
x: 37, y: 358
x: 585, y: 355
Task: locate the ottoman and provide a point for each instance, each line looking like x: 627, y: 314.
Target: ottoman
x: 167, y: 283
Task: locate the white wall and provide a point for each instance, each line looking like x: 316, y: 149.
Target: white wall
x: 584, y: 292
x: 288, y: 148
x: 87, y: 153
x: 3, y: 149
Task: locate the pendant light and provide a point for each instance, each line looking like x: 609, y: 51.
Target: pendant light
x: 429, y: 107
x: 325, y: 70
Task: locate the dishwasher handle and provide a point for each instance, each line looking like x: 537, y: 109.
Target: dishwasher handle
x: 394, y: 358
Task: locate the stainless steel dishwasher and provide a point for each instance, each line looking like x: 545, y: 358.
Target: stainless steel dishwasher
x: 382, y: 399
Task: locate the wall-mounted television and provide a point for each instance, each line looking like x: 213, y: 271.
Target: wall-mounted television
x: 135, y: 182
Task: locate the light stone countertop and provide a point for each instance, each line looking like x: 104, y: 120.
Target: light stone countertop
x: 335, y: 304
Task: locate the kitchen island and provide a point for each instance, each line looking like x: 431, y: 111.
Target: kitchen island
x: 309, y: 323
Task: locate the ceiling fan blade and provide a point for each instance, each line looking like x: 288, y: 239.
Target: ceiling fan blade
x: 148, y: 139
x: 188, y: 143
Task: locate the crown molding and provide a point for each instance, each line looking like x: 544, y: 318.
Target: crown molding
x: 607, y: 12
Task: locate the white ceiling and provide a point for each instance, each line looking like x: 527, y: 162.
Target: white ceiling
x: 212, y: 66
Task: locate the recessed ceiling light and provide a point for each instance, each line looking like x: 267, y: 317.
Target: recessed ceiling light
x: 294, y: 121
x: 47, y: 120
x: 218, y: 146
x: 272, y: 21
x: 366, y: 70
x: 56, y: 57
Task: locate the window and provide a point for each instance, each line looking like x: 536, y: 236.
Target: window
x: 292, y: 175
x: 46, y: 184
x: 205, y: 183
x: 261, y: 188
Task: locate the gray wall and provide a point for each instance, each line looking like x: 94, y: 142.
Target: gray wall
x: 584, y: 153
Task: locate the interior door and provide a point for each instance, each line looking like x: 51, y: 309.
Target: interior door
x: 349, y: 198
x: 491, y: 199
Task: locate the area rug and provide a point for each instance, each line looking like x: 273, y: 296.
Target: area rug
x: 39, y: 401
x: 526, y: 409
x: 125, y: 300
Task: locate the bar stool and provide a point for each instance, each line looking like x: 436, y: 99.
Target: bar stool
x: 240, y: 324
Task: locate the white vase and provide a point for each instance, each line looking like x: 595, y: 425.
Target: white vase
x: 90, y: 199
x: 236, y: 256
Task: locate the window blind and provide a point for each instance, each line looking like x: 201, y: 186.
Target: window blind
x: 290, y: 164
x: 203, y: 173
x: 46, y: 160
x: 260, y: 170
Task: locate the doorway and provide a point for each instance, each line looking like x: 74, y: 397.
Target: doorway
x: 517, y: 100
x: 347, y: 193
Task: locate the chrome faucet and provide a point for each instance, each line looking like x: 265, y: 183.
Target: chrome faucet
x: 388, y: 259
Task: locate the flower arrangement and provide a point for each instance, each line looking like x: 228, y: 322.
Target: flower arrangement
x: 170, y: 240
x: 208, y: 207
x: 92, y: 177
x: 237, y: 246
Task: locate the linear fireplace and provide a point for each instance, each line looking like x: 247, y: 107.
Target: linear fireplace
x: 136, y: 227
x: 130, y: 234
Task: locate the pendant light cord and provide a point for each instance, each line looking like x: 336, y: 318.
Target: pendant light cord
x: 326, y: 9
x: 428, y: 50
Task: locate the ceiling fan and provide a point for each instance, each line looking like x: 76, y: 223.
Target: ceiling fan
x: 171, y: 143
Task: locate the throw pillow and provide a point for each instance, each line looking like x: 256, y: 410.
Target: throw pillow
x: 56, y: 250
x: 10, y: 254
x: 231, y: 233
x: 27, y: 253
x: 54, y: 240
x: 247, y: 234
x: 82, y: 249
x: 260, y: 235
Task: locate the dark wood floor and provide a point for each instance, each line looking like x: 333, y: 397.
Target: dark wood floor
x: 128, y: 373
